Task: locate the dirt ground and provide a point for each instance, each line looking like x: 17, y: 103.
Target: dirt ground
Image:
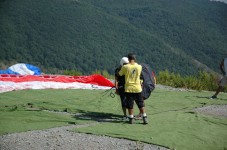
x: 61, y: 138
x: 214, y: 110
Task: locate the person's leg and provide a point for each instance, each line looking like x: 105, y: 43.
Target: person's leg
x: 131, y: 117
x: 130, y: 103
x: 144, y: 115
x: 141, y: 105
x: 139, y: 116
x: 130, y: 112
x: 142, y: 111
x: 219, y: 89
x: 221, y: 86
x: 124, y: 111
x: 123, y: 103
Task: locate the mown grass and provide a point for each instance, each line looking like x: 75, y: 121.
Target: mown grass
x: 172, y: 122
x: 24, y: 110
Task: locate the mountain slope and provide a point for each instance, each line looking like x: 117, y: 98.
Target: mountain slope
x: 197, y: 28
x: 94, y: 34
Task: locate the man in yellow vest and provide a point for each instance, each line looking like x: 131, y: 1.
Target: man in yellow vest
x: 133, y: 89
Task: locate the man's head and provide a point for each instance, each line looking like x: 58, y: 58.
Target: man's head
x: 123, y: 61
x: 131, y: 57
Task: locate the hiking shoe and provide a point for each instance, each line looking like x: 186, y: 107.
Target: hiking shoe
x: 145, y: 121
x: 213, y: 97
x: 131, y: 120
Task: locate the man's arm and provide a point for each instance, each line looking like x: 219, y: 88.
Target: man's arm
x: 222, y: 66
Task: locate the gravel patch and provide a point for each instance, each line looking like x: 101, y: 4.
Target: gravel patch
x: 62, y: 138
x: 214, y: 110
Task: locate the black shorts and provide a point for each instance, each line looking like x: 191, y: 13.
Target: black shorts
x: 122, y: 96
x: 130, y: 97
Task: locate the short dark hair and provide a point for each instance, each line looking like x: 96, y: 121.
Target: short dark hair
x: 131, y: 56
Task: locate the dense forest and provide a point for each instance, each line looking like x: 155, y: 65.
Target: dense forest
x: 182, y: 36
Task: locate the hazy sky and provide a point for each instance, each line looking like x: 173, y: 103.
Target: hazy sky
x: 225, y: 1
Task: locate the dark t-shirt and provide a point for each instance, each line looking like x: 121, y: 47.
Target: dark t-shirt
x: 120, y: 79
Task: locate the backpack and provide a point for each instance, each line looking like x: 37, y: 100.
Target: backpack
x: 149, y: 81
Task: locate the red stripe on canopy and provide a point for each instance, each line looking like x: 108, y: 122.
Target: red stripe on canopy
x: 95, y: 79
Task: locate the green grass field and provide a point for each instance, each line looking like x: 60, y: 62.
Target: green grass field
x: 172, y: 123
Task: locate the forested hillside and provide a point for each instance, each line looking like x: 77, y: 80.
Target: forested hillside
x: 89, y: 35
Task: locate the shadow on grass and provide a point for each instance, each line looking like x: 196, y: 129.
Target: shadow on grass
x: 105, y: 117
x: 208, y: 97
x: 98, y: 116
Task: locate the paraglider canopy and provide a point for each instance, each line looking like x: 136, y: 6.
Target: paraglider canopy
x: 25, y: 76
x: 22, y: 69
